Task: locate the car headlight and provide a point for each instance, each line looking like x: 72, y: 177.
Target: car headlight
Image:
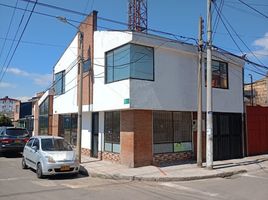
x: 50, y: 159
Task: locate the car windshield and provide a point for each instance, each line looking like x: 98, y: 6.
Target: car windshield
x: 16, y: 132
x: 55, y: 144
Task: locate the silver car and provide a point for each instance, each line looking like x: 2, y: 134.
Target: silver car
x: 49, y: 155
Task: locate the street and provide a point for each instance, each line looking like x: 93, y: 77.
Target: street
x: 16, y: 183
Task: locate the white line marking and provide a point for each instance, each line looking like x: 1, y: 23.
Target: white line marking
x: 188, y: 189
x: 253, y: 176
x: 14, y: 178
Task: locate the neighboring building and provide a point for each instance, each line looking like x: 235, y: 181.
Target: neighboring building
x: 259, y: 92
x: 7, y: 106
x: 140, y: 97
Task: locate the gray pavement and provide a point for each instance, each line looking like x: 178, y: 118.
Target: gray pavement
x: 178, y: 172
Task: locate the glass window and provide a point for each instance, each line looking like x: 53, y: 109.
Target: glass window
x: 59, y: 83
x: 43, y: 117
x: 219, y: 74
x: 68, y: 127
x: 36, y: 143
x: 55, y: 144
x: 130, y: 61
x: 30, y: 142
x: 112, y: 131
x: 172, y: 131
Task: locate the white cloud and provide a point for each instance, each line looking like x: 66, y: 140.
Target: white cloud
x: 38, y: 79
x: 23, y: 98
x: 42, y: 80
x: 261, y: 45
x: 17, y: 72
x: 7, y: 85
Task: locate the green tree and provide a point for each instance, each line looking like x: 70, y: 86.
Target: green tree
x: 5, y: 121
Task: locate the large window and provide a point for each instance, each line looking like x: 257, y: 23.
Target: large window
x: 129, y: 61
x: 219, y: 74
x: 68, y: 127
x: 43, y: 117
x: 59, y: 84
x: 112, y: 131
x: 172, y: 131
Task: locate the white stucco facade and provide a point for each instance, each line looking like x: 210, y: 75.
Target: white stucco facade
x: 175, y: 77
x: 67, y: 102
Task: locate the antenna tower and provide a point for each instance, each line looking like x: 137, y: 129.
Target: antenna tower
x: 137, y: 15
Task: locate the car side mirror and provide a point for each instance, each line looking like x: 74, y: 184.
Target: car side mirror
x: 35, y: 148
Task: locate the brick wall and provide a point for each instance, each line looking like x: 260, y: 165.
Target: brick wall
x: 88, y: 27
x: 167, y: 158
x: 55, y: 125
x: 260, y: 92
x: 113, y: 157
x: 86, y: 152
x: 136, y: 138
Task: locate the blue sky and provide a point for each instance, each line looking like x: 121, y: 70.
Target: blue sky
x: 45, y: 38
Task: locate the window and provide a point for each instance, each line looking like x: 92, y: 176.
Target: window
x: 30, y: 142
x: 219, y: 74
x: 112, y: 131
x: 43, y: 117
x: 172, y: 131
x: 129, y: 61
x: 59, y: 83
x: 68, y: 127
x: 36, y: 143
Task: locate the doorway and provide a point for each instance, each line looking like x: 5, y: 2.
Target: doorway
x: 95, y: 134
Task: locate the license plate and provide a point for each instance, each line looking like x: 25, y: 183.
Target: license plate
x: 17, y: 141
x: 65, y: 168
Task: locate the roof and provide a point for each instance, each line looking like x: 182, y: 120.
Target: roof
x: 7, y: 98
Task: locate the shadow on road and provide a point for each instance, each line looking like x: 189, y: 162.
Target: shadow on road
x: 11, y: 154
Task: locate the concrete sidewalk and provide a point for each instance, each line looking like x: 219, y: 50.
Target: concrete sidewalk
x: 178, y: 172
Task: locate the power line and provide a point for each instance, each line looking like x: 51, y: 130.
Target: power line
x: 9, y: 26
x: 18, y: 41
x: 17, y: 31
x: 238, y: 38
x: 254, y: 9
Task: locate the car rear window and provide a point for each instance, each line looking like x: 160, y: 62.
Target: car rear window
x: 55, y: 144
x: 16, y: 132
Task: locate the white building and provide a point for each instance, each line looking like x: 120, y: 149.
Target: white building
x: 140, y: 97
x: 7, y: 106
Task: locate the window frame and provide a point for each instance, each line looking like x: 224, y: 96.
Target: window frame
x: 227, y: 74
x: 129, y: 77
x: 62, y: 81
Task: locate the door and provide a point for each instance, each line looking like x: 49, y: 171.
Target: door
x: 95, y: 135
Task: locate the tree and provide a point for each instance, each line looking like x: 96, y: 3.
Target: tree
x: 5, y: 121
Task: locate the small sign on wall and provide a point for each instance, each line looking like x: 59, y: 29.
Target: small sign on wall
x: 182, y: 146
x: 126, y: 101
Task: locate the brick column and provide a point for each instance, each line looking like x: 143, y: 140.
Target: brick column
x: 136, y: 138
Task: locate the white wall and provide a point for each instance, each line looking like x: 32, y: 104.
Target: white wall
x: 86, y: 130
x: 175, y: 77
x: 67, y: 102
x: 175, y: 84
x: 108, y: 96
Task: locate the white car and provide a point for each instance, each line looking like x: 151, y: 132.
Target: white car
x: 49, y: 155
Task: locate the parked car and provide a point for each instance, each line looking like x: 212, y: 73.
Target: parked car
x: 13, y: 139
x: 49, y: 155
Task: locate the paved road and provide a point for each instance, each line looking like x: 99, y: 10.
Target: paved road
x: 16, y: 183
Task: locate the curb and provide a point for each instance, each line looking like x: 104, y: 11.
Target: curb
x: 165, y: 179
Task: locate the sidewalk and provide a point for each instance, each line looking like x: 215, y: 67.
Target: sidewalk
x: 179, y: 172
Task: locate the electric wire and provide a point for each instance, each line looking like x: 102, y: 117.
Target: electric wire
x: 262, y: 14
x: 27, y: 22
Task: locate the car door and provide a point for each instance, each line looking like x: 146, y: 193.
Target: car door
x: 35, y: 152
x: 27, y: 152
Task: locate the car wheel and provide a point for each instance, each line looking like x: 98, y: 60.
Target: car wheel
x: 39, y: 171
x: 23, y: 164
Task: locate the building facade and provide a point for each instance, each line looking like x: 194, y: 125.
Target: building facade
x: 7, y: 106
x: 140, y: 97
x: 257, y: 92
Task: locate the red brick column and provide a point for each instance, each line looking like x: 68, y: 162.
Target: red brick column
x: 136, y: 138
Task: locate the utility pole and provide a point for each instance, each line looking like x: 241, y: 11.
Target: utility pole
x: 80, y: 87
x: 251, y: 89
x: 199, y: 94
x: 80, y: 98
x: 209, y: 144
